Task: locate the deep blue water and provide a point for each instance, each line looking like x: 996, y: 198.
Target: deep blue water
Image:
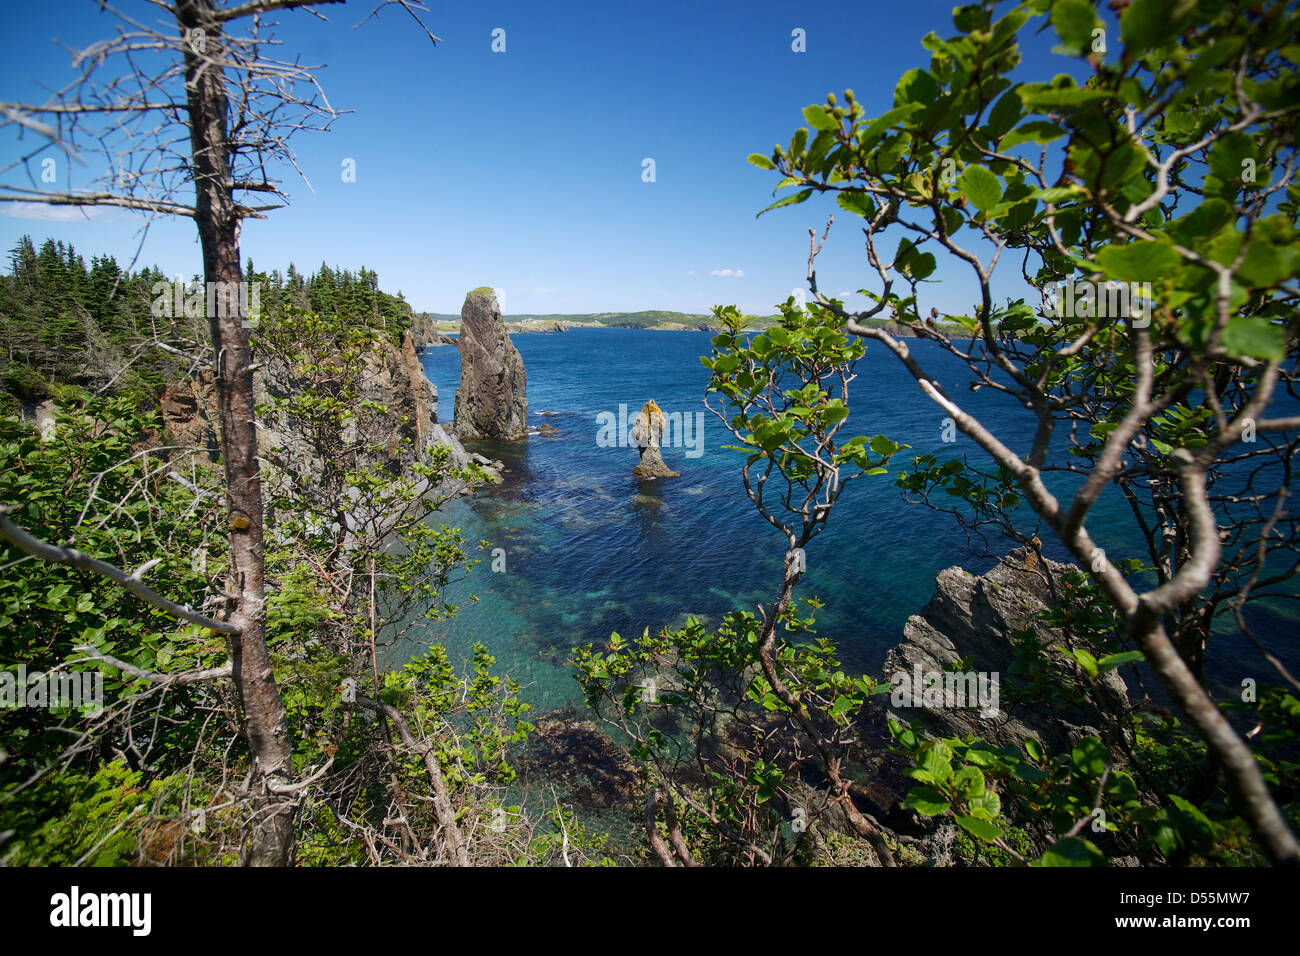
x: 590, y: 550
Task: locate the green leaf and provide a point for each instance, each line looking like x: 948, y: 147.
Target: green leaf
x: 791, y: 200
x: 1046, y: 101
x: 818, y: 118
x: 926, y: 801
x: 922, y: 265
x: 980, y: 187
x: 876, y: 128
x: 842, y: 706
x: 883, y: 446
x: 1264, y: 266
x: 1143, y: 261
x: 968, y: 18
x: 983, y: 829
x: 916, y: 86
x: 1038, y: 131
x: 936, y: 761
x: 1074, y: 21
x: 1256, y: 337
x: 906, y: 737
x: 816, y: 155
x: 1057, y: 194
x: 761, y: 161
x: 1072, y: 851
x: 1229, y: 154
x: 1086, y: 661
x: 1089, y: 757
x: 969, y: 781
x: 1146, y: 24
x: 1005, y: 113
x: 858, y: 203
x: 986, y: 805
x: 1203, y: 221
x: 1119, y: 660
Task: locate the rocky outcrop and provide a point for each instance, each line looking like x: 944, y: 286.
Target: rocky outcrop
x: 393, y: 377
x: 189, y: 413
x: 559, y: 327
x: 43, y: 418
x: 491, y: 402
x: 424, y: 333
x: 647, y: 433
x: 967, y: 626
x: 494, y: 468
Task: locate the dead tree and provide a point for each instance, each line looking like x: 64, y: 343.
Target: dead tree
x: 182, y: 103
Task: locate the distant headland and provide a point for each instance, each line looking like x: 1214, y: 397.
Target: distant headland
x: 652, y: 319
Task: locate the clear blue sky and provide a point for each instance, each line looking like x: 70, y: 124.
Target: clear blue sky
x: 523, y: 169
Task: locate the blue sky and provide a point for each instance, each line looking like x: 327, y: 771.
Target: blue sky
x: 523, y: 169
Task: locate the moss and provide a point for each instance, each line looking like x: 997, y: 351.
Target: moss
x: 23, y: 383
x: 483, y: 290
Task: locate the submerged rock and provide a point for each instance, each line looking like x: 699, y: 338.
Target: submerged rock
x: 494, y: 468
x: 647, y: 432
x: 491, y: 402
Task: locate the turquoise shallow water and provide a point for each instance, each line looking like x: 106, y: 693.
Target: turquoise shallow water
x: 590, y: 550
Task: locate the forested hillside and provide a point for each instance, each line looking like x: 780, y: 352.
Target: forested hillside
x: 125, y: 467
x: 109, y: 329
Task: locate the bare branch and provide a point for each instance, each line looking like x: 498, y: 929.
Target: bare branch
x: 71, y: 556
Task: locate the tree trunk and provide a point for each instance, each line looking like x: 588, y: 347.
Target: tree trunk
x: 268, y: 835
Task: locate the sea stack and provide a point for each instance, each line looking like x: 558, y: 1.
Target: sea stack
x: 647, y: 432
x: 491, y: 401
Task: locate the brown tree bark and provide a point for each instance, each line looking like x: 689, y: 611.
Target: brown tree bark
x: 268, y: 835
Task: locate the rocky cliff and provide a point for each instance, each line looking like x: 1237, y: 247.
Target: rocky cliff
x: 425, y: 334
x: 967, y: 626
x: 491, y: 402
x: 391, y: 376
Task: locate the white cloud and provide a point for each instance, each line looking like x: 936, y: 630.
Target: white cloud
x: 729, y: 273
x: 39, y: 210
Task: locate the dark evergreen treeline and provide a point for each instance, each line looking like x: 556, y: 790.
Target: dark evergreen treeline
x: 354, y: 295
x: 64, y: 321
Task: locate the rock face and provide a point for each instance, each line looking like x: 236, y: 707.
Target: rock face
x: 647, y: 433
x: 43, y: 417
x: 392, y: 377
x: 189, y: 411
x: 559, y: 327
x: 422, y: 332
x: 424, y: 335
x: 491, y: 402
x: 970, y: 619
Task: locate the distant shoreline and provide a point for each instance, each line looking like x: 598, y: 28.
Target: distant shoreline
x: 517, y: 328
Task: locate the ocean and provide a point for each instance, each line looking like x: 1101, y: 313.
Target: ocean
x: 589, y: 549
